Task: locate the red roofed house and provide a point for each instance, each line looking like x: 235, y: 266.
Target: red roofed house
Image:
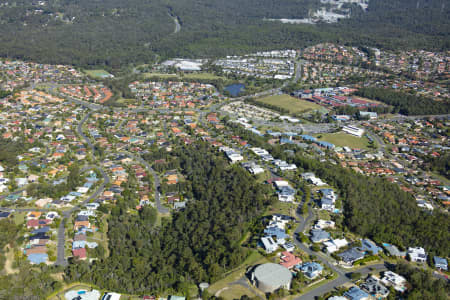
x: 80, y: 253
x: 289, y: 260
x: 34, y: 223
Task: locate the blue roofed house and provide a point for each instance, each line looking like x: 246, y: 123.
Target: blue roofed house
x: 276, y: 231
x: 367, y: 245
x: 38, y: 258
x: 440, y: 263
x: 355, y: 293
x: 325, y: 144
x: 311, y: 269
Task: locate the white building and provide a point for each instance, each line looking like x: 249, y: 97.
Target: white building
x: 269, y: 244
x: 417, y: 254
x: 322, y: 224
x: 394, y: 280
x: 334, y: 245
x: 353, y: 130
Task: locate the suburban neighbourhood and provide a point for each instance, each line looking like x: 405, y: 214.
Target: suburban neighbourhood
x: 77, y: 151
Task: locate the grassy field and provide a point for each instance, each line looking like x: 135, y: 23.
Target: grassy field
x: 282, y: 208
x: 342, y: 139
x: 199, y: 76
x: 292, y: 104
x: 97, y: 73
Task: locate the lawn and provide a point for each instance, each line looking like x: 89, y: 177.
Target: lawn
x: 19, y: 217
x: 342, y: 139
x: 203, y: 76
x: 97, y: 73
x: 292, y: 104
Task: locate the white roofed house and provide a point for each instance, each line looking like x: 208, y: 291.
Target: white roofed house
x: 393, y: 279
x: 269, y: 244
x: 417, y: 254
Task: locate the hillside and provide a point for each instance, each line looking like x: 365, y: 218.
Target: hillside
x: 115, y: 33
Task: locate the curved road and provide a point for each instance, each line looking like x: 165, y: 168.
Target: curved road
x: 61, y: 260
x: 161, y: 209
x: 343, y: 276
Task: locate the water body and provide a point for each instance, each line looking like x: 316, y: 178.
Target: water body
x: 235, y: 89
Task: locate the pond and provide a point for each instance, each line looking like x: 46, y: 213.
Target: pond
x: 235, y: 89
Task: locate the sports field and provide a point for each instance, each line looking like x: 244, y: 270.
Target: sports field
x: 292, y: 104
x: 342, y: 139
x: 97, y: 73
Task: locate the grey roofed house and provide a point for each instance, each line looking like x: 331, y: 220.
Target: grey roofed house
x: 440, y: 263
x: 319, y: 235
x: 393, y: 250
x: 351, y: 255
x: 374, y: 287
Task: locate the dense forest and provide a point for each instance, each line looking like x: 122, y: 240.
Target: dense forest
x: 198, y: 244
x: 373, y: 207
x: 115, y: 33
x: 406, y: 104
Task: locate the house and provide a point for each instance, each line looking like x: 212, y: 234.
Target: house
x: 279, y: 233
x: 269, y: 244
x: 393, y: 279
x: 322, y: 224
x: 355, y: 293
x: 289, y: 260
x: 319, y: 236
x: 350, y: 256
x: 289, y: 247
x: 334, y: 245
x: 375, y: 288
x: 417, y: 254
x: 440, y: 263
x: 393, y: 250
x: 369, y: 246
x: 327, y: 204
x: 43, y: 202
x: 33, y: 215
x: 81, y: 224
x: 80, y: 253
x: 286, y: 194
x: 33, y: 223
x: 311, y: 269
x: 4, y: 214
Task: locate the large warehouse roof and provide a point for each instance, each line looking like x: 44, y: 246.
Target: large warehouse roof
x: 273, y: 274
